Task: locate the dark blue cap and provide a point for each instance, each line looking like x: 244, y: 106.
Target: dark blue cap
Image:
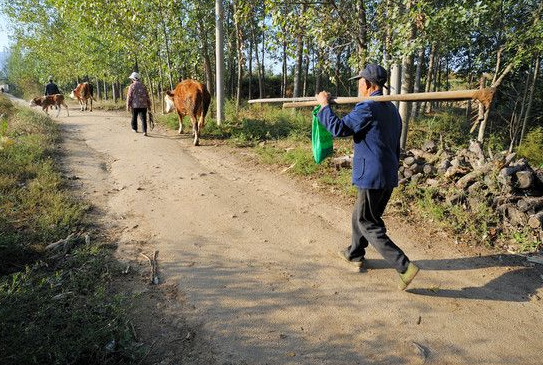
x: 374, y: 74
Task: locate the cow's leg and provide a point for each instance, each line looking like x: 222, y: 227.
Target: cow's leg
x: 46, y: 109
x: 91, y: 104
x: 80, y: 104
x: 201, y: 122
x: 86, y: 102
x: 180, y: 117
x: 195, y: 129
x: 66, y: 106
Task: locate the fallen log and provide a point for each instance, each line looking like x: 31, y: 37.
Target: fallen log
x: 513, y: 215
x: 429, y: 157
x: 342, y: 162
x: 520, y: 165
x: 407, y: 173
x: 483, y: 95
x: 527, y: 204
x: 409, y: 160
x: 489, y: 166
x: 525, y: 179
x: 417, y: 168
x: 428, y: 169
x: 536, y: 220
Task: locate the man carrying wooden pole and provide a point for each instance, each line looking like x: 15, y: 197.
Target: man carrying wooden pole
x: 376, y: 129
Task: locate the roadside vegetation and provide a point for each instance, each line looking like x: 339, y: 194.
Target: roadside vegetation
x: 55, y: 305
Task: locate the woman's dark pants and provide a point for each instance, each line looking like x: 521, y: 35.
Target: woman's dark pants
x: 143, y: 116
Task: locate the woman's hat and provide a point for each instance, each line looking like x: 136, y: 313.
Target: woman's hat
x: 134, y: 76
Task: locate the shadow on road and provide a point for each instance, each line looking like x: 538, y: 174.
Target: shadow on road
x: 518, y: 284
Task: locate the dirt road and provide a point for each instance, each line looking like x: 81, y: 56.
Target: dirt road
x: 252, y: 253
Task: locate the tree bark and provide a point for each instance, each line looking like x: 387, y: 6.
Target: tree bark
x: 416, y: 88
x: 536, y: 220
x: 530, y: 99
x: 205, y: 56
x: 284, y: 70
x: 259, y: 68
x: 298, y: 66
x: 495, y: 84
x: 426, y: 106
x: 317, y: 71
x: 167, y: 46
x: 530, y: 203
x: 395, y: 80
x: 241, y: 61
x: 407, y: 79
x: 306, y: 71
x: 250, y: 69
x: 362, y: 44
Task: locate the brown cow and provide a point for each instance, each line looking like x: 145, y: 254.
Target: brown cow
x: 50, y: 100
x: 189, y: 98
x: 83, y: 93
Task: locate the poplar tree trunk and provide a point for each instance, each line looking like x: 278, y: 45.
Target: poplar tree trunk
x: 306, y: 72
x: 250, y: 54
x: 395, y: 80
x: 205, y: 56
x: 241, y: 61
x: 362, y: 44
x: 98, y: 93
x: 167, y: 46
x: 298, y: 66
x: 284, y: 68
x: 416, y: 88
x: 407, y: 81
x: 530, y: 99
x: 263, y: 73
x: 259, y: 68
x: 387, y: 45
x: 317, y: 71
x: 426, y: 106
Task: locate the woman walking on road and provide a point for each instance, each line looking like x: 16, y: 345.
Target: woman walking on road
x: 138, y: 101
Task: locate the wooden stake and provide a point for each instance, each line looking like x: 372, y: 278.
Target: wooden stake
x: 483, y: 95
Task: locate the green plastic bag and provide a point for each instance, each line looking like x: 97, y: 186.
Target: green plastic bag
x: 321, y: 140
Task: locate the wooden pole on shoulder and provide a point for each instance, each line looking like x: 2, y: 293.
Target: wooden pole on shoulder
x: 483, y: 95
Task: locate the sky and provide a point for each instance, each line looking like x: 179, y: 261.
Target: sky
x: 4, y: 41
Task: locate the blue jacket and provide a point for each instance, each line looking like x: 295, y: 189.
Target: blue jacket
x: 376, y: 128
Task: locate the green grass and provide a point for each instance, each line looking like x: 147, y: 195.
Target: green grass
x: 52, y: 311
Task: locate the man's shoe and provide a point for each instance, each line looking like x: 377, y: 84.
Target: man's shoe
x: 135, y: 131
x: 341, y: 254
x: 145, y: 134
x: 407, y: 277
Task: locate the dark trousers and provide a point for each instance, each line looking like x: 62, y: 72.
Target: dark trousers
x: 368, y: 227
x: 143, y: 116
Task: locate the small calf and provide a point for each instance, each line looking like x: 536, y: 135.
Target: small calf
x: 50, y: 100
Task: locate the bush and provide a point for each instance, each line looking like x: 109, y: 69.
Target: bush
x: 532, y: 147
